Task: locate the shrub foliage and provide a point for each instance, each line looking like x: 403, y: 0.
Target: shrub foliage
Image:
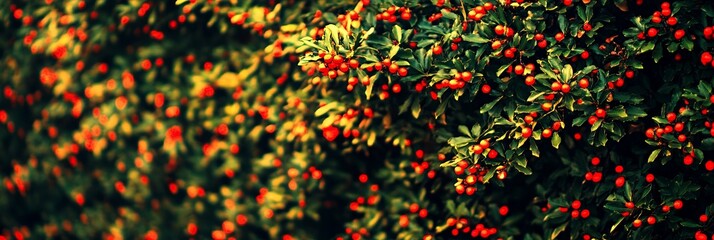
x: 384, y: 119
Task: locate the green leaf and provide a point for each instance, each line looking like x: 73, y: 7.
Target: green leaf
x: 567, y: 72
x: 503, y: 68
x: 397, y: 33
x: 560, y: 228
x: 486, y: 107
x: 474, y: 38
x: 653, y: 155
x: 326, y: 108
x: 523, y: 169
x: 707, y: 144
x: 563, y: 23
x: 465, y: 130
x: 555, y: 140
x: 489, y: 175
x: 416, y: 109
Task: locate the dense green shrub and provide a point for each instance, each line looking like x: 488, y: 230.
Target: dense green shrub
x: 377, y: 119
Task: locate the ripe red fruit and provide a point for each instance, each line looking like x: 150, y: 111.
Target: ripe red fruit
x: 526, y: 132
x: 652, y: 32
x: 575, y: 214
x: 406, y: 15
x: 630, y: 205
x: 595, y: 161
x: 592, y: 120
x: 666, y: 12
x: 437, y: 50
x: 678, y: 204
x: 484, y: 144
x: 542, y: 43
x: 688, y: 160
x: 585, y: 55
x: 530, y: 80
x: 540, y: 36
x: 620, y: 181
x: 587, y: 27
x: 672, y: 21
x: 600, y: 113
x: 619, y: 169
x: 709, y: 165
x: 495, y: 45
x: 354, y: 63
x: 664, y: 5
x: 637, y: 223
x: 629, y: 74
x: 567, y: 2
x: 575, y: 204
x: 466, y: 76
x: 649, y: 178
x: 486, y: 89
x: 547, y: 133
x: 681, y: 137
x: 565, y: 88
x: 499, y: 30
x: 492, y: 154
x: 671, y: 117
x: 402, y: 71
x: 559, y: 37
x: 518, y: 69
x: 703, y: 218
x: 330, y: 133
x: 503, y: 210
x: 679, y: 34
x: 556, y: 86
x: 705, y: 58
x: 665, y: 208
x: 583, y: 83
x: 597, y: 176
x: 585, y: 213
x: 651, y: 220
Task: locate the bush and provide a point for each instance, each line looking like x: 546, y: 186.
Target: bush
x: 382, y: 119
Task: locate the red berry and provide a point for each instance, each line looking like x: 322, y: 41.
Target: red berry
x: 679, y: 34
x: 688, y: 160
x: 486, y: 89
x: 705, y: 58
x: 600, y: 113
x: 649, y: 178
x: 709, y: 165
x: 526, y: 132
x: 620, y: 181
x: 672, y: 21
x: 630, y: 205
x: 678, y: 204
x: 595, y: 161
x: 503, y: 210
x: 651, y: 220
x: 437, y: 50
x: 575, y: 214
x: 652, y: 32
x: 585, y: 213
x: 703, y: 218
x: 637, y: 223
x: 583, y: 83
x: 575, y: 204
